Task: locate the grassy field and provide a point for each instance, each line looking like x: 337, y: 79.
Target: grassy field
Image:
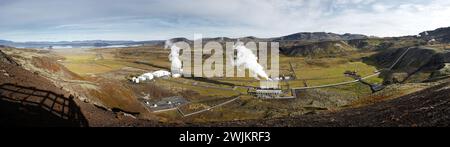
x: 86, y: 63
x: 83, y: 63
x: 316, y: 72
x: 203, y: 94
x: 440, y: 47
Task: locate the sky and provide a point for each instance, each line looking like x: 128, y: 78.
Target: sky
x: 68, y: 20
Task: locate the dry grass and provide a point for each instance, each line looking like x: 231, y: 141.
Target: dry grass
x: 391, y: 92
x: 318, y: 71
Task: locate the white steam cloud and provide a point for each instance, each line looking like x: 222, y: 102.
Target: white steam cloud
x: 174, y: 57
x: 248, y: 60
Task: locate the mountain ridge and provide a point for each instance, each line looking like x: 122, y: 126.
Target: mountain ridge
x: 441, y: 34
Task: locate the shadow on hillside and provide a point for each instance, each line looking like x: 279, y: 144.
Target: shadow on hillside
x: 28, y: 106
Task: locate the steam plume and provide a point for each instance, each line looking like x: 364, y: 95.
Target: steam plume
x: 247, y: 59
x: 174, y: 57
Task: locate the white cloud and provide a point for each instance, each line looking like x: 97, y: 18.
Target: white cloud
x: 161, y: 19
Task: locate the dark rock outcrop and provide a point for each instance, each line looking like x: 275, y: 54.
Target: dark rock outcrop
x: 440, y: 35
x: 6, y: 59
x: 417, y: 60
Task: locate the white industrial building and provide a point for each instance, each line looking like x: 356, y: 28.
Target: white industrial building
x: 150, y: 76
x: 161, y: 73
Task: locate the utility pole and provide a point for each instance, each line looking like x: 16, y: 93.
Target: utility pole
x: 356, y: 67
x: 292, y: 70
x: 305, y: 83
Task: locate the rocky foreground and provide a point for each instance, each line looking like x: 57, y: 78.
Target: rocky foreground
x: 28, y: 99
x: 427, y: 108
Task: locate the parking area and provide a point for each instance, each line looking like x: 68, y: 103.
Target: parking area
x: 164, y: 104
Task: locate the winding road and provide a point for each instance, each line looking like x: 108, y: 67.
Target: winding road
x: 303, y: 88
x: 355, y: 81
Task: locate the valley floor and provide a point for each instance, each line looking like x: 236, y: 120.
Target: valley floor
x: 88, y: 94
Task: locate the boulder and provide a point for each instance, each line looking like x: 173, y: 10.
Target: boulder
x: 444, y: 71
x: 399, y: 77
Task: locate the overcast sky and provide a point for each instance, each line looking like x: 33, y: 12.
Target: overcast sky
x: 55, y: 20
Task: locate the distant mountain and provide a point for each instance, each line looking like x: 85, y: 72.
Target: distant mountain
x: 302, y: 37
x: 441, y: 35
x: 85, y: 42
x: 94, y: 43
x: 320, y: 36
x: 5, y: 41
x: 318, y: 49
x: 319, y: 44
x: 180, y: 39
x: 298, y: 44
x: 293, y: 38
x: 314, y: 44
